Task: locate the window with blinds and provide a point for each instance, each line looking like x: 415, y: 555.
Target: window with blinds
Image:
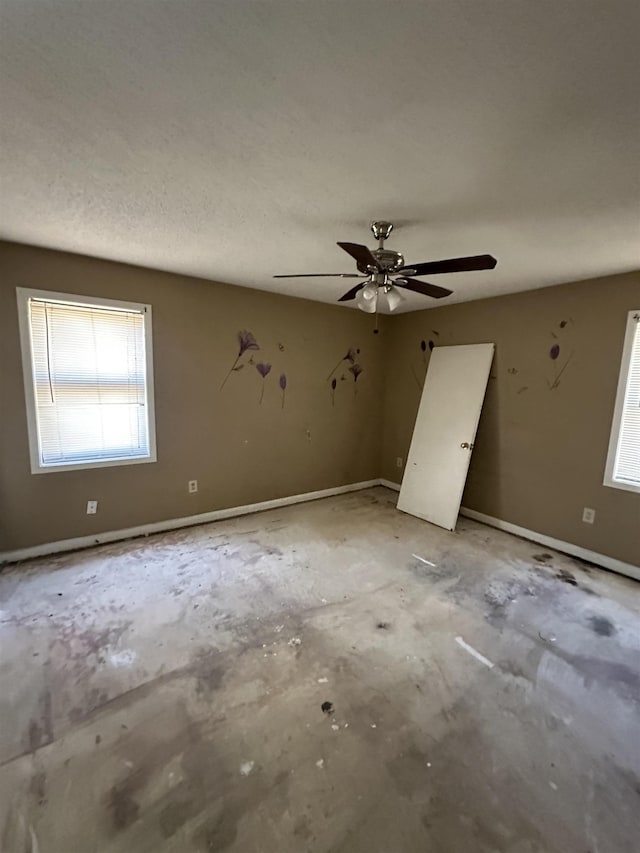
x: 87, y: 379
x: 623, y: 461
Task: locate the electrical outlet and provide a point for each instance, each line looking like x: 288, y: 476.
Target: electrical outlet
x: 398, y: 461
x: 193, y: 486
x: 588, y: 515
x: 92, y: 507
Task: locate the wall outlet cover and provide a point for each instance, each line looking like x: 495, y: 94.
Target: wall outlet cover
x: 588, y: 515
x: 92, y: 507
x: 193, y: 486
x: 398, y: 461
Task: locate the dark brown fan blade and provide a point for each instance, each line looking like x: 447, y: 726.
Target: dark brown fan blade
x: 423, y: 287
x: 362, y: 255
x: 321, y: 275
x: 351, y: 294
x: 474, y: 262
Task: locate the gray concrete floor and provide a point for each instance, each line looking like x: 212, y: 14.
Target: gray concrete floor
x: 165, y: 694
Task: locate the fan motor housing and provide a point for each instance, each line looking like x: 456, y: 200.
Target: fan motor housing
x: 388, y: 259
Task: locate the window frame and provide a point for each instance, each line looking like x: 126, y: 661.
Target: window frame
x: 633, y: 319
x: 24, y: 294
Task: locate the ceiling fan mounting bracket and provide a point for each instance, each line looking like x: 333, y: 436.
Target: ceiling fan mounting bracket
x: 381, y: 230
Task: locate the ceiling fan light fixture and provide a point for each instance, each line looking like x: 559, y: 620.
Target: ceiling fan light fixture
x: 367, y: 299
x: 394, y: 298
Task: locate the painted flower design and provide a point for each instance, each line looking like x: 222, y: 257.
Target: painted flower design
x: 355, y: 370
x: 264, y: 370
x: 554, y: 354
x: 350, y: 357
x: 283, y: 386
x: 424, y: 346
x: 246, y: 341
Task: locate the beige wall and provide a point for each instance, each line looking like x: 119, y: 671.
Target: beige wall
x: 540, y: 450
x: 239, y: 451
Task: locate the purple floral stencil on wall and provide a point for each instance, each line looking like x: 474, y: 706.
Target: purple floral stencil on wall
x: 246, y: 341
x: 264, y: 370
x: 557, y: 353
x: 350, y: 357
x: 283, y: 386
x: 355, y: 371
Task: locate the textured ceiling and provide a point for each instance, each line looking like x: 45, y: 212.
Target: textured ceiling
x: 235, y: 140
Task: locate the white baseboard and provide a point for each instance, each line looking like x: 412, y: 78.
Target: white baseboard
x: 388, y: 484
x: 611, y: 563
x: 79, y: 542
x: 566, y: 547
x: 217, y: 515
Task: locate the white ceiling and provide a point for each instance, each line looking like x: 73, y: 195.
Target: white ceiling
x: 233, y: 140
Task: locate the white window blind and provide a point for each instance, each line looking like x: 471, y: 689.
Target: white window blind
x: 623, y: 466
x: 89, y: 371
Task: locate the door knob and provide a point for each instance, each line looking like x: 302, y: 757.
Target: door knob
x: 467, y: 445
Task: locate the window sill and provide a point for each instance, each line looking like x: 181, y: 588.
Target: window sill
x: 626, y: 487
x: 37, y: 468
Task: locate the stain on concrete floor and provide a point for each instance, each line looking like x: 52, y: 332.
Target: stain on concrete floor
x: 165, y: 694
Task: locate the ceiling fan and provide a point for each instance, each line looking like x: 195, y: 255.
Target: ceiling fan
x: 384, y: 271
